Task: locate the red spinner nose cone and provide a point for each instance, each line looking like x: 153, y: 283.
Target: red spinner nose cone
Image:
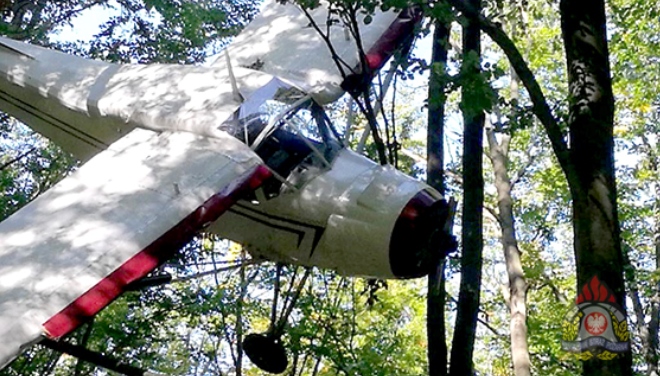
x: 418, y: 233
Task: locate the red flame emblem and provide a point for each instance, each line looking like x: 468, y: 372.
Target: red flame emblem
x: 595, y: 291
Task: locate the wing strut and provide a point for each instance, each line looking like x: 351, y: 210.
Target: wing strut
x: 94, y: 357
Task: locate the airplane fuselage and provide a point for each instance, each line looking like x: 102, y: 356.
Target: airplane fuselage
x: 337, y: 214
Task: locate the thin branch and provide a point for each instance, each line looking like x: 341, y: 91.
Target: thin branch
x: 287, y: 295
x: 559, y: 296
x: 365, y: 107
x: 494, y: 213
x: 216, y: 271
x: 386, y: 123
x: 301, y: 284
x: 633, y: 294
x: 369, y: 113
x: 354, y: 28
x: 487, y: 326
x: 412, y: 155
x: 483, y: 322
x: 394, y: 151
x: 456, y: 177
x: 17, y: 158
x: 326, y: 38
x: 520, y: 173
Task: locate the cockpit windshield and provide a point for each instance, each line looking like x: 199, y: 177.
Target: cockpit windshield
x: 303, y: 118
x: 295, y: 138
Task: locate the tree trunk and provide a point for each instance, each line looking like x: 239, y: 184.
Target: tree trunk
x: 638, y: 309
x: 651, y: 351
x: 435, y: 302
x: 648, y: 334
x: 654, y: 324
x: 597, y: 243
x: 473, y: 197
x: 651, y: 343
x: 498, y: 153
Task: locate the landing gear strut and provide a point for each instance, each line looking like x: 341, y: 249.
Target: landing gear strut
x: 266, y: 350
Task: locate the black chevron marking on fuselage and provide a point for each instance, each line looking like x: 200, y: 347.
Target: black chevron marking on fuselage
x: 318, y: 230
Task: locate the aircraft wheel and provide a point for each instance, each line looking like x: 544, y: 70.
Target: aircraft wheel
x: 265, y: 352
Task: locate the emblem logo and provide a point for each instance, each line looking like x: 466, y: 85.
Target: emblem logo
x: 595, y: 325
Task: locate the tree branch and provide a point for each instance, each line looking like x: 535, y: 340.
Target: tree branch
x: 489, y: 327
x: 326, y: 38
x: 540, y: 105
x: 216, y: 271
x: 494, y: 213
x: 17, y: 158
x: 531, y: 158
x: 350, y: 21
x: 483, y: 322
x: 559, y: 296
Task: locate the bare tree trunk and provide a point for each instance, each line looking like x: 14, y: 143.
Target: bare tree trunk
x: 517, y: 303
x: 638, y: 309
x: 239, y: 317
x: 498, y: 153
x: 435, y: 302
x: 590, y: 175
x: 648, y: 334
x: 473, y: 197
x: 651, y: 351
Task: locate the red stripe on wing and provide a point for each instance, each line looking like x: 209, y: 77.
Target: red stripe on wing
x: 394, y: 37
x: 161, y: 250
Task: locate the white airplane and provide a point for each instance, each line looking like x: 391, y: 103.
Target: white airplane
x: 241, y: 148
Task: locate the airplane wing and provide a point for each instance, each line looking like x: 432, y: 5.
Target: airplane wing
x: 282, y: 41
x: 160, y: 169
x: 85, y: 105
x: 73, y: 250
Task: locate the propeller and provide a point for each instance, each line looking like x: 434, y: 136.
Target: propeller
x: 441, y: 220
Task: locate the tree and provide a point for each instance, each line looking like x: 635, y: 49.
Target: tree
x: 498, y: 154
x: 636, y: 90
x: 33, y: 20
x: 472, y: 90
x: 435, y: 317
x: 589, y: 162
